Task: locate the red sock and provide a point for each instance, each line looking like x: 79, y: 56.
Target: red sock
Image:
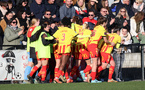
x: 40, y: 73
x: 111, y: 71
x: 35, y: 68
x: 59, y: 73
x: 93, y: 75
x: 56, y: 71
x: 62, y: 73
x: 100, y: 69
x: 73, y: 71
x: 66, y: 75
x: 43, y: 73
x: 87, y: 69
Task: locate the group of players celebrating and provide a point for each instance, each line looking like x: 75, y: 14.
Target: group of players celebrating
x: 72, y: 40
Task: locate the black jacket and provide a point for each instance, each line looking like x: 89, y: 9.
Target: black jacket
x: 128, y: 8
x: 54, y: 9
x: 38, y: 10
x: 119, y: 22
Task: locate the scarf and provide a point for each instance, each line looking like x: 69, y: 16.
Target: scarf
x: 12, y: 27
x: 138, y: 27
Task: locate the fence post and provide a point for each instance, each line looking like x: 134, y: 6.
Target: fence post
x: 142, y: 61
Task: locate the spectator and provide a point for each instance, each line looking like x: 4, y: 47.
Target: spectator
x: 3, y: 25
x: 46, y: 18
x: 53, y: 8
x: 13, y: 2
x: 12, y: 35
x: 138, y: 6
x: 137, y: 28
x: 119, y: 54
x: 37, y: 8
x: 113, y: 7
x: 23, y: 5
x: 122, y: 18
x: 22, y: 21
x: 92, y: 6
x: 105, y: 4
x: 105, y: 13
x: 67, y: 10
x: 90, y: 20
x: 125, y: 36
x: 81, y: 10
x: 126, y: 4
x: 10, y: 7
x: 3, y: 9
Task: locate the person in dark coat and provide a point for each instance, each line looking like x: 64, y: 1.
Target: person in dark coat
x: 111, y: 18
x: 126, y: 4
x: 37, y: 8
x: 122, y: 19
x: 47, y: 17
x: 23, y: 5
x: 53, y: 8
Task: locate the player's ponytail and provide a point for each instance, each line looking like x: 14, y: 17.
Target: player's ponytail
x: 101, y: 21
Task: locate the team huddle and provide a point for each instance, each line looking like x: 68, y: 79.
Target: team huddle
x: 71, y: 41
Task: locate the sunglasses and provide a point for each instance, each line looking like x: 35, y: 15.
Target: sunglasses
x: 91, y: 15
x: 104, y: 11
x: 122, y: 11
x: 48, y: 14
x: 14, y: 22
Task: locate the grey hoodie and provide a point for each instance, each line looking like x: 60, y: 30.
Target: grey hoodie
x: 66, y: 12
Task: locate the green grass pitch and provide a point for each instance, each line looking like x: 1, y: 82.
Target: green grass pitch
x: 133, y: 85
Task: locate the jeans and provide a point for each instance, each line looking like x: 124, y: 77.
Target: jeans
x: 119, y: 59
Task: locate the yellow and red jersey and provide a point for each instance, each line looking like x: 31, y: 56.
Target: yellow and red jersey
x: 84, y: 41
x: 78, y: 28
x: 113, y: 37
x: 64, y: 35
x: 99, y: 32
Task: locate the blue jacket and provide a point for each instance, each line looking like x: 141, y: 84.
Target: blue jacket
x: 38, y: 10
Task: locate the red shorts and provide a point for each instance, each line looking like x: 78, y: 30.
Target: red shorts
x: 44, y: 59
x: 58, y: 56
x: 106, y: 57
x: 93, y: 49
x: 81, y: 53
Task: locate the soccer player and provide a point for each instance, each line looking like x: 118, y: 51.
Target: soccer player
x: 34, y: 24
x: 106, y: 53
x: 81, y: 52
x: 64, y: 36
x: 99, y: 32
